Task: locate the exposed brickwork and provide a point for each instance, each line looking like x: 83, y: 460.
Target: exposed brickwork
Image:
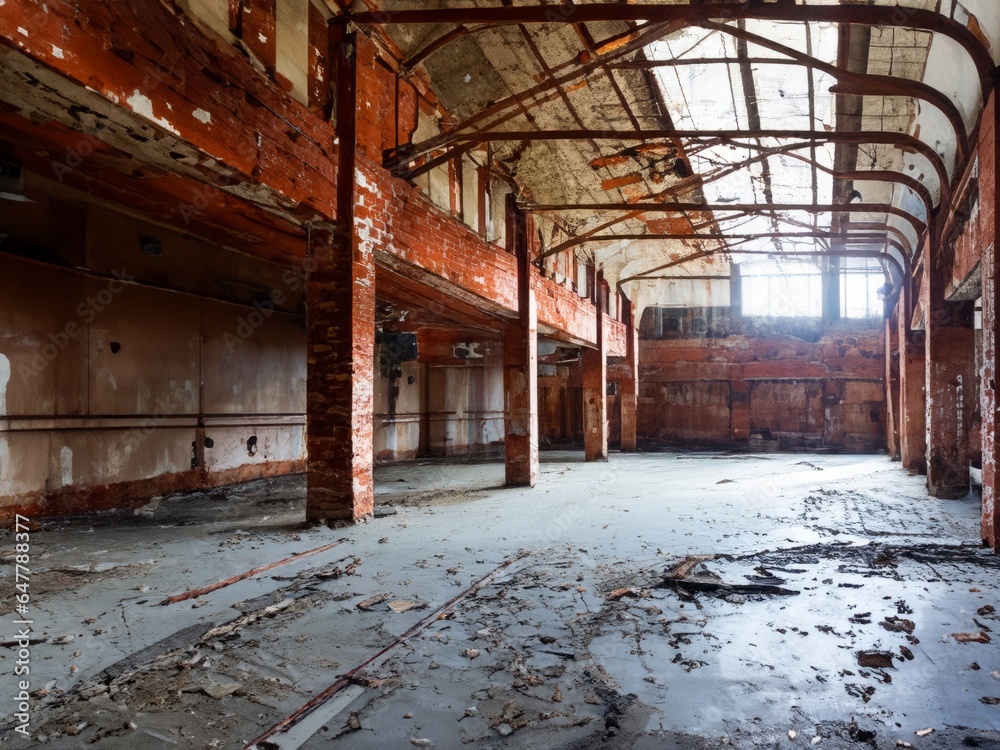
x: 615, y: 337
x: 719, y: 392
x: 520, y: 365
x: 991, y: 318
x: 563, y: 310
x: 595, y: 389
x: 628, y: 391
x: 949, y: 362
x: 892, y: 387
x: 258, y: 31
x: 340, y: 405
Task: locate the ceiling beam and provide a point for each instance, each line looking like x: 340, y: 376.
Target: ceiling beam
x: 681, y: 237
x: 861, y: 84
x: 686, y: 15
x: 904, y: 141
x: 748, y: 208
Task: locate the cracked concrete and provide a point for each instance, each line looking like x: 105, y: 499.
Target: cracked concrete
x: 884, y: 627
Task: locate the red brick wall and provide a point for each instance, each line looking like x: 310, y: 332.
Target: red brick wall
x: 801, y: 394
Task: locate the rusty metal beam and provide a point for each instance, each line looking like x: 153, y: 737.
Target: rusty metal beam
x: 859, y: 175
x: 633, y: 41
x: 681, y: 237
x: 686, y: 15
x: 860, y: 84
x: 695, y: 181
x: 903, y: 267
x: 749, y: 208
x: 443, y: 41
x: 904, y: 141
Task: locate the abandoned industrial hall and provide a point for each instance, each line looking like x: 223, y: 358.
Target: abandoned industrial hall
x: 499, y: 373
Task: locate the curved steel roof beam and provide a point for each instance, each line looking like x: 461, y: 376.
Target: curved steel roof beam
x: 691, y: 183
x: 904, y: 141
x: 861, y: 84
x: 680, y: 16
x: 750, y: 208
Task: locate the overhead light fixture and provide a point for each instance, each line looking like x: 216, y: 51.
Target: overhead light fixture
x: 12, y: 182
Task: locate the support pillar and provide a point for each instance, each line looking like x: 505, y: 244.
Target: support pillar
x: 912, y: 432
x: 629, y: 386
x: 949, y: 378
x: 892, y: 387
x: 595, y: 387
x: 520, y: 364
x: 989, y: 402
x: 340, y: 304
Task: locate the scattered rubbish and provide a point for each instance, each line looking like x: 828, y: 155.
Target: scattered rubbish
x: 862, y: 618
x: 990, y: 701
x: 861, y: 735
x: 373, y: 601
x: 766, y: 580
x: 686, y: 565
x: 875, y: 659
x: 346, y: 679
x: 989, y: 609
x: 865, y: 693
x: 979, y: 637
x: 470, y: 653
x: 630, y: 592
x: 194, y: 593
x: 791, y: 734
x: 908, y: 655
x: 925, y: 732
x: 898, y: 625
x: 404, y: 605
x: 421, y: 742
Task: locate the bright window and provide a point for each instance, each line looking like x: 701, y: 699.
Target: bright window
x: 782, y: 289
x: 859, y: 284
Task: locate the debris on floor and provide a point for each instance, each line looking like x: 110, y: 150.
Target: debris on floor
x: 708, y: 618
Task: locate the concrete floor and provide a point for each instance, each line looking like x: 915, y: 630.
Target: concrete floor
x: 578, y: 642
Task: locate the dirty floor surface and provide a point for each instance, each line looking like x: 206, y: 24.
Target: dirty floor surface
x: 667, y: 600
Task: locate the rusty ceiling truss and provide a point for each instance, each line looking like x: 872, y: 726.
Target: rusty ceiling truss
x: 650, y: 23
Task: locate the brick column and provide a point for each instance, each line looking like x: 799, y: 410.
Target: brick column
x: 595, y: 388
x: 989, y: 403
x: 520, y: 364
x: 892, y: 388
x: 629, y: 386
x: 912, y: 436
x: 340, y: 318
x: 949, y: 376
